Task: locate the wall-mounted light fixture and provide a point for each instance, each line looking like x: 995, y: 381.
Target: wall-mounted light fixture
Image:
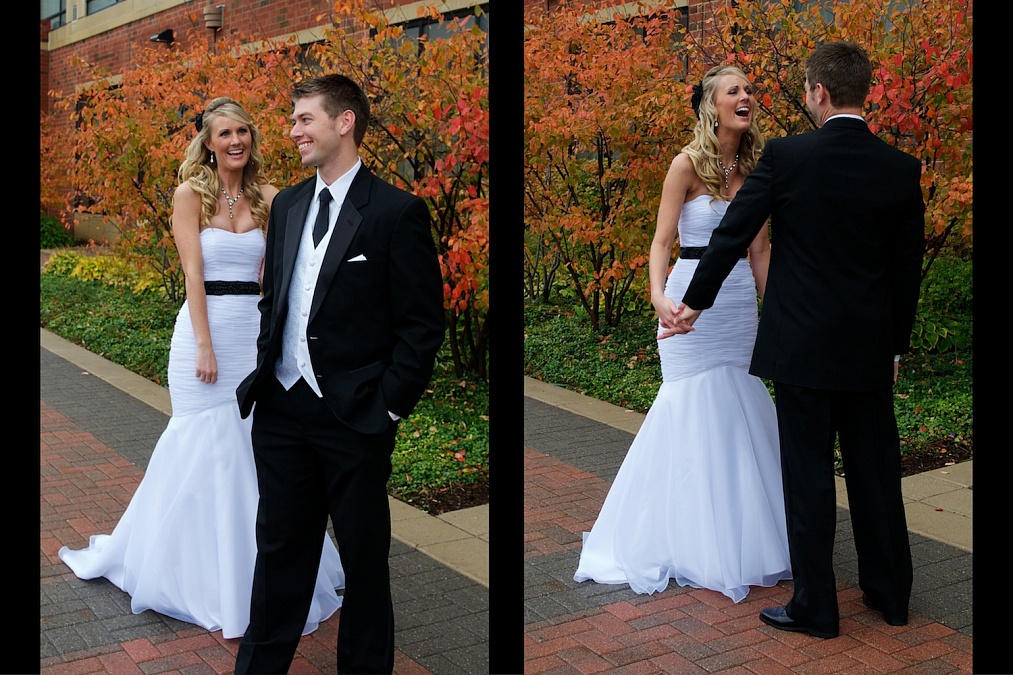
x: 166, y: 37
x: 214, y: 16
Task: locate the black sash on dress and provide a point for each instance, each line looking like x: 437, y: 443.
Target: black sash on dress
x: 231, y: 288
x: 695, y: 252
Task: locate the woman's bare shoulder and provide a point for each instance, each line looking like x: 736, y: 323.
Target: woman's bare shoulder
x: 682, y: 172
x: 186, y: 197
x: 184, y: 190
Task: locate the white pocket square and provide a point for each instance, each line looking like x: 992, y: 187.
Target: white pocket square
x: 358, y: 258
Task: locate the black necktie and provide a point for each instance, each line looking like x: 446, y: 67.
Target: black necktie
x: 320, y: 227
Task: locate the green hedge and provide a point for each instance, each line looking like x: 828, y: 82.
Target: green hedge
x: 53, y: 234
x: 98, y: 304
x: 934, y: 402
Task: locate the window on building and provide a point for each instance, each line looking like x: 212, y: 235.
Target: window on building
x: 417, y: 28
x: 680, y: 15
x: 96, y: 5
x: 54, y: 11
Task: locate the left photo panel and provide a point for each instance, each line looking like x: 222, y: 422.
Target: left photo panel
x: 264, y: 343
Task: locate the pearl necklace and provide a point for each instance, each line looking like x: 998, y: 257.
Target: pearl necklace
x: 727, y: 170
x: 232, y: 201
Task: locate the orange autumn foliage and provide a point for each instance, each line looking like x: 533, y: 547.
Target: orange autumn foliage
x: 429, y: 135
x: 921, y: 96
x: 607, y: 107
x: 602, y: 108
x: 128, y: 134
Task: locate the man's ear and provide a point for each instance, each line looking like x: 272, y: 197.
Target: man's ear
x: 822, y: 95
x: 346, y: 122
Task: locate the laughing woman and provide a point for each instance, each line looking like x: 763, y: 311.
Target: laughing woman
x: 698, y: 496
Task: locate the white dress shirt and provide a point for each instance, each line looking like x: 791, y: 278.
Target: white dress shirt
x: 854, y: 117
x: 294, y: 361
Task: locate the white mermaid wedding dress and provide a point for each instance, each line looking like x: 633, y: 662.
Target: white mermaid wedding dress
x: 186, y: 544
x: 698, y: 496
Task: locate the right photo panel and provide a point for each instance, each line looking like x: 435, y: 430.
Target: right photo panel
x: 747, y: 337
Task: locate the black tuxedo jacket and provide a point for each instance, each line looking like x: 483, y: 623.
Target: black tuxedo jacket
x: 376, y: 325
x: 847, y: 239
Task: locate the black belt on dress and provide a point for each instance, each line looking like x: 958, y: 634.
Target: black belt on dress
x: 695, y: 252
x: 231, y: 288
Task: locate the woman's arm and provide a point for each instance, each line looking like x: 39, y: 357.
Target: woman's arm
x: 678, y: 182
x: 186, y: 209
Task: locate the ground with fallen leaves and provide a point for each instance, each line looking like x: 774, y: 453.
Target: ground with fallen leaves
x: 451, y: 498
x: 937, y: 455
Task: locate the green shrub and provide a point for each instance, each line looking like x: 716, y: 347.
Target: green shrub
x: 53, y: 234
x: 933, y: 397
x: 62, y: 263
x: 90, y: 268
x: 937, y: 333
x: 619, y: 365
x: 111, y: 270
x: 444, y: 442
x: 949, y: 285
x: 944, y: 319
x: 131, y: 330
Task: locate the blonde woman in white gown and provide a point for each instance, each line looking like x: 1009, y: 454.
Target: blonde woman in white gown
x: 698, y: 497
x: 186, y: 546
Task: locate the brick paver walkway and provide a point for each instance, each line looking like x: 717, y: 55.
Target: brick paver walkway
x: 94, y: 444
x: 569, y: 462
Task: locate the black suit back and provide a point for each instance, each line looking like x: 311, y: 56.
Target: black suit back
x: 847, y: 238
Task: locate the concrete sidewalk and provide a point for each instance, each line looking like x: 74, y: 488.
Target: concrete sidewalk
x: 99, y: 423
x: 574, y: 447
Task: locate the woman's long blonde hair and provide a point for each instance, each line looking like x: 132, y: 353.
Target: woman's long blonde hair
x: 200, y: 173
x: 705, y: 150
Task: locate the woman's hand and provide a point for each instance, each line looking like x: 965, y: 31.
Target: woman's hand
x: 665, y: 308
x: 207, y: 365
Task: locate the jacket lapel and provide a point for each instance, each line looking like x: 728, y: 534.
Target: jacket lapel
x: 295, y: 221
x: 347, y: 224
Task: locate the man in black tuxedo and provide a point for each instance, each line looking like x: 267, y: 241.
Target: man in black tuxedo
x: 848, y: 235
x: 351, y: 321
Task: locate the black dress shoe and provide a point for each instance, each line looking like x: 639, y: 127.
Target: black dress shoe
x: 778, y: 618
x: 892, y: 620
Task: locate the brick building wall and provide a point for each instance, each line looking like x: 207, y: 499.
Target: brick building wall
x: 112, y: 48
x: 698, y: 10
x: 698, y: 13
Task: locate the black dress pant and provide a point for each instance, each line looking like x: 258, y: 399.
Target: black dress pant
x: 809, y: 421
x: 310, y: 466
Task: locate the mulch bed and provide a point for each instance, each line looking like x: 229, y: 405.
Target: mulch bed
x: 452, y: 498
x: 935, y: 455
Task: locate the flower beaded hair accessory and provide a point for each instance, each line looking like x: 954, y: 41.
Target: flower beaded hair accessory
x: 198, y: 123
x: 697, y: 97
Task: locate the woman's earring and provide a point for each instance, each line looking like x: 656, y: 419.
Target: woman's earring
x: 212, y: 160
x: 715, y: 125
